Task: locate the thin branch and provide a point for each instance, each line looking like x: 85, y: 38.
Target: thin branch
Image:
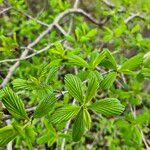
x: 147, y: 55
x: 112, y: 6
x: 30, y: 17
x: 5, y: 10
x: 61, y: 29
x: 132, y: 16
x: 30, y: 56
x: 121, y: 9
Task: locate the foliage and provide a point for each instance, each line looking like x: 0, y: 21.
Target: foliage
x: 89, y: 89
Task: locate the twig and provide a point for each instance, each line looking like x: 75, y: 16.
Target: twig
x: 121, y: 9
x: 112, y: 6
x: 132, y: 16
x: 61, y: 29
x: 5, y: 10
x: 30, y: 17
x: 147, y: 55
x: 30, y: 56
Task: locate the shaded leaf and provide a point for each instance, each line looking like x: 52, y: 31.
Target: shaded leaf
x: 49, y: 137
x: 79, y: 126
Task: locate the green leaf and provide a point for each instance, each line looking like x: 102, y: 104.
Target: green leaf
x: 78, y: 61
x: 49, y: 137
x: 51, y: 74
x: 132, y: 63
x: 120, y: 30
x: 21, y: 84
x: 14, y: 104
x: 92, y: 88
x: 59, y: 48
x: 111, y: 58
x: 19, y: 128
x: 135, y: 28
x: 108, y: 107
x: 29, y: 132
x: 74, y: 87
x: 98, y: 59
x: 91, y: 33
x: 45, y: 106
x: 97, y: 74
x: 146, y: 72
x: 63, y: 114
x: 87, y: 119
x: 79, y: 126
x: 108, y: 81
x: 7, y: 134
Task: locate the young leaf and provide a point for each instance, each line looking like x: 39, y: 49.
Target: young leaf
x: 45, y: 105
x: 14, y: 104
x: 20, y: 84
x: 74, y: 87
x: 64, y: 114
x: 87, y: 119
x: 79, y: 126
x: 7, y: 134
x: 108, y: 107
x: 49, y: 137
x: 132, y: 63
x: 111, y: 58
x: 91, y: 33
x: 97, y: 74
x: 108, y: 80
x: 98, y: 59
x: 29, y: 132
x: 78, y: 61
x: 92, y: 89
x: 51, y: 74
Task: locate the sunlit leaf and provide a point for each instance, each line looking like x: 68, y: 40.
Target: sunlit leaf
x: 108, y: 107
x: 63, y: 114
x: 14, y: 104
x: 45, y: 105
x: 74, y: 87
